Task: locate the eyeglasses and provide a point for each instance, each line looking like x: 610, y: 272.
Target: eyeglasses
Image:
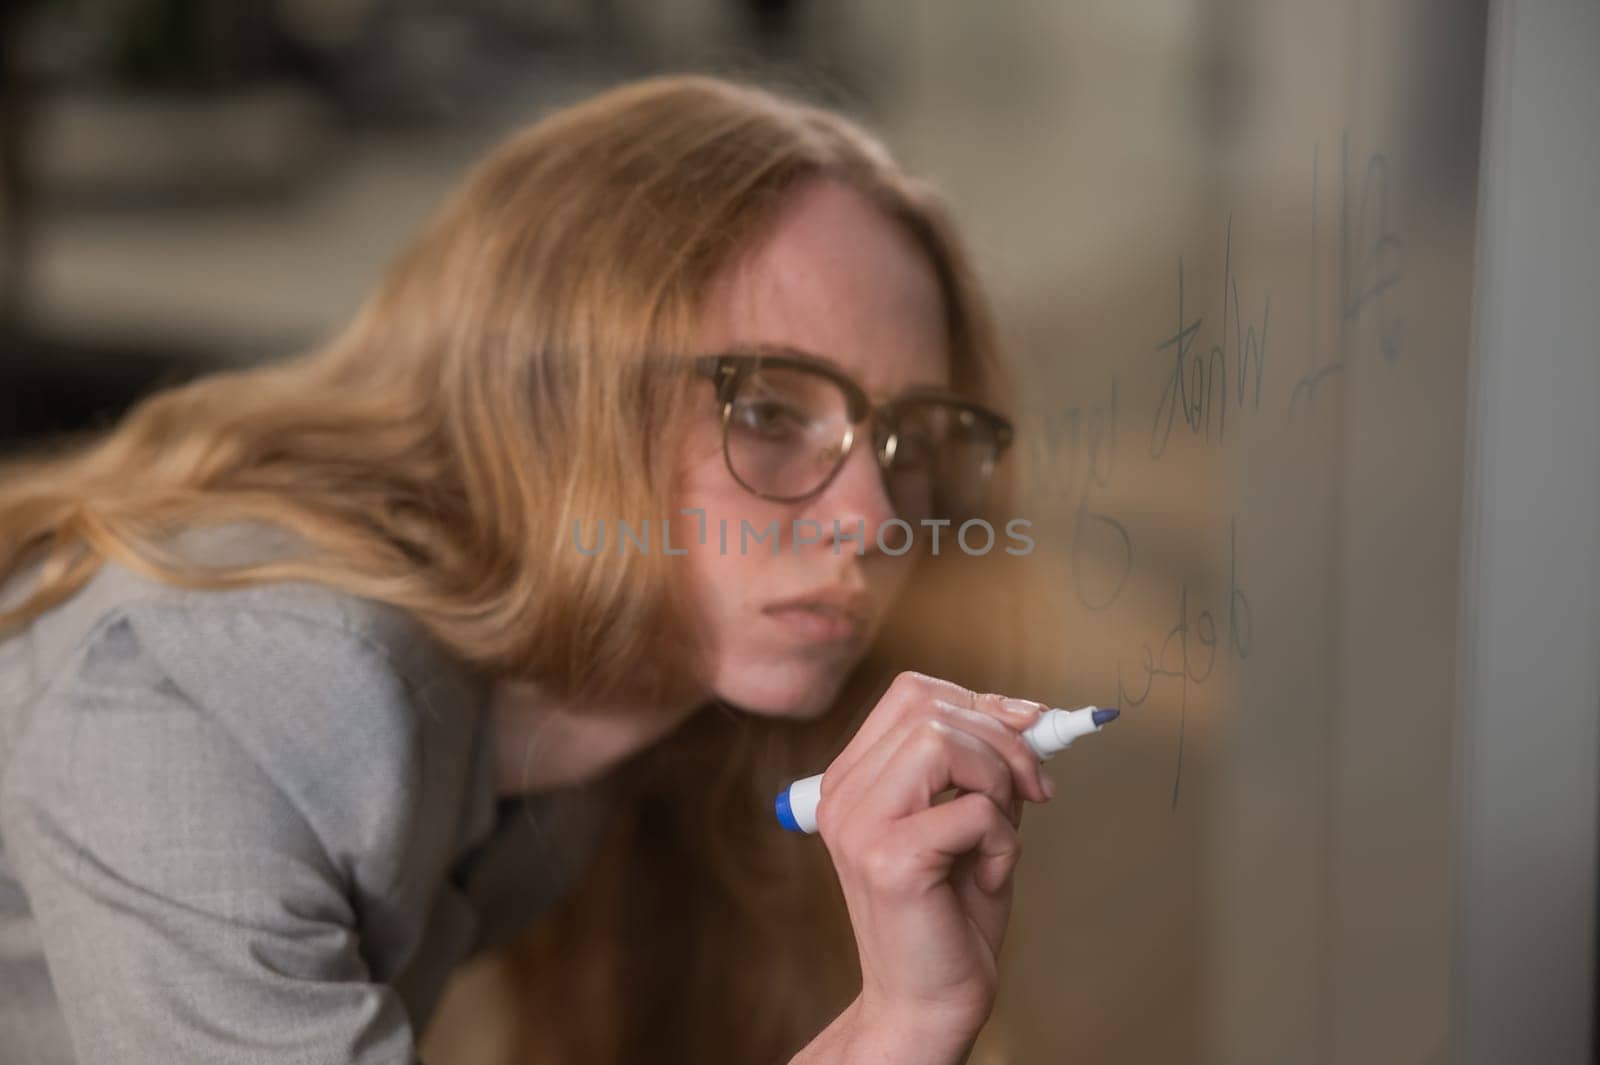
x: 789, y: 421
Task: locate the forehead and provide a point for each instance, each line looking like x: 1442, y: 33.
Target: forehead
x: 840, y: 280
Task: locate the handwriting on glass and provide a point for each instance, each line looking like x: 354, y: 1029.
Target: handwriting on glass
x: 1208, y: 376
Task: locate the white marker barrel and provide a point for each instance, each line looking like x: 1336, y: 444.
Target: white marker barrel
x: 1055, y: 731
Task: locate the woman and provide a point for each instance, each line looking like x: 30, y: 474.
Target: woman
x: 289, y: 648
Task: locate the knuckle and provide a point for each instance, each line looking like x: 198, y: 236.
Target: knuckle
x: 922, y: 685
x: 930, y: 735
x: 906, y: 696
x: 909, y: 681
x: 999, y: 771
x: 996, y: 823
x: 1007, y: 833
x: 925, y: 710
x: 882, y: 867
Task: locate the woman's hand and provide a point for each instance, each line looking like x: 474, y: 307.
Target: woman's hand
x: 928, y: 885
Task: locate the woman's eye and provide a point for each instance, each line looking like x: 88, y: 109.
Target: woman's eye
x: 768, y: 418
x: 912, y: 450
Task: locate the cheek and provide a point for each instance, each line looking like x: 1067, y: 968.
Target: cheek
x: 706, y: 485
x: 704, y: 482
x: 699, y: 457
x: 718, y: 580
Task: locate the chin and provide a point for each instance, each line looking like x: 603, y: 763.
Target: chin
x: 800, y: 694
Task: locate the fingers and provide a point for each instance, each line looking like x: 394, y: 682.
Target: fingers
x: 925, y: 845
x: 904, y: 773
x: 916, y: 696
x: 1005, y: 741
x: 910, y: 690
x: 907, y: 688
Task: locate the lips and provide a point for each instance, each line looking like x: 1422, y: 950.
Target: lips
x: 828, y: 615
x: 840, y: 603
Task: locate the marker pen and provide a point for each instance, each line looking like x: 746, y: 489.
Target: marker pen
x: 1054, y: 731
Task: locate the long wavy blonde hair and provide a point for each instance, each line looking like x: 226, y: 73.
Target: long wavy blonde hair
x: 500, y: 385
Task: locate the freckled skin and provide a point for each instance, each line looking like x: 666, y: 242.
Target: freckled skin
x: 837, y: 278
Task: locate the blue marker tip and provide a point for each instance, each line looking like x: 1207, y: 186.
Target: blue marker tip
x: 1102, y: 716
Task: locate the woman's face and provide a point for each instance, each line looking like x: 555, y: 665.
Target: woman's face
x: 839, y: 280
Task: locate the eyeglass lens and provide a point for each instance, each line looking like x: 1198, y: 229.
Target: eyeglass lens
x: 788, y: 428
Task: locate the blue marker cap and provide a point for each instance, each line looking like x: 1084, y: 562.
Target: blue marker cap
x: 785, y: 815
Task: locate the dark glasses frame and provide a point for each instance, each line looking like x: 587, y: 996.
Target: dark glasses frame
x: 727, y: 370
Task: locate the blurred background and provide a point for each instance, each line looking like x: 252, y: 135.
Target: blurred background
x: 193, y: 182
x: 1231, y: 246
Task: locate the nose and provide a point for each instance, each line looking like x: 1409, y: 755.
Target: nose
x: 857, y: 497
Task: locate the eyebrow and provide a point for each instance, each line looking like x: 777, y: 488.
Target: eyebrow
x: 829, y: 362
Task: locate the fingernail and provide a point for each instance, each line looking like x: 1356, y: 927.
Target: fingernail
x: 1023, y: 707
x: 1048, y: 785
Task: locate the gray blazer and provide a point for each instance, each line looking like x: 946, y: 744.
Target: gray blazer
x: 250, y: 825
